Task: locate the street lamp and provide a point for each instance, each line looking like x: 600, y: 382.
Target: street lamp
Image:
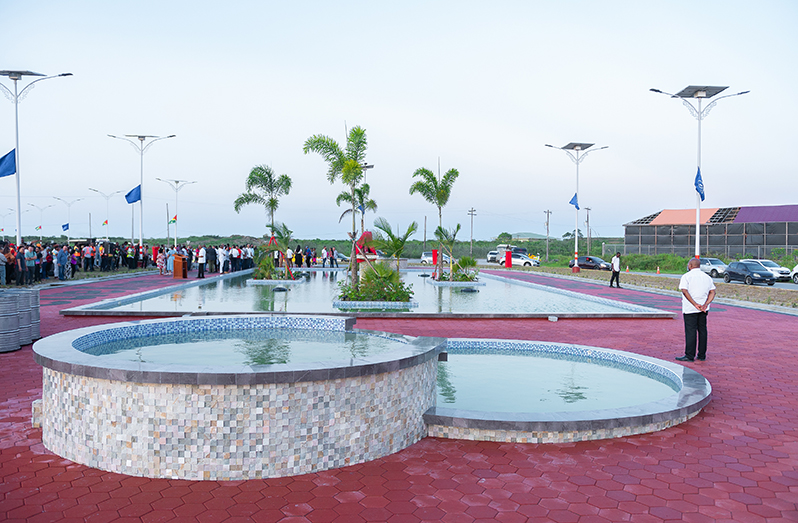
x: 577, y: 159
x: 16, y: 97
x: 700, y: 93
x: 41, y: 217
x: 107, y: 200
x: 141, y: 148
x: 69, y: 205
x: 175, y: 184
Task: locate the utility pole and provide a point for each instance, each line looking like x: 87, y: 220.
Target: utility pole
x: 425, y: 234
x: 547, y: 234
x: 472, y: 212
x: 587, y: 224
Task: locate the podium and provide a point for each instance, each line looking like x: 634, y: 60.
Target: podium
x: 180, y: 268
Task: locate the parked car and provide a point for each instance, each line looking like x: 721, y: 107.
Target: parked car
x: 748, y: 273
x: 426, y: 258
x: 341, y: 257
x: 501, y: 249
x: 591, y: 262
x: 794, y: 274
x: 522, y: 260
x: 713, y: 266
x: 493, y: 256
x: 778, y: 272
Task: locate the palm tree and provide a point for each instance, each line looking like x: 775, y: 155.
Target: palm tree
x: 436, y: 191
x: 362, y: 201
x: 264, y: 187
x: 392, y: 244
x: 447, y: 238
x: 348, y: 165
x: 282, y: 242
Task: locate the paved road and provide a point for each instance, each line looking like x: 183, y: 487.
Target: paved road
x: 778, y: 285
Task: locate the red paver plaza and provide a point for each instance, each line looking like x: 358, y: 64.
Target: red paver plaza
x: 736, y: 461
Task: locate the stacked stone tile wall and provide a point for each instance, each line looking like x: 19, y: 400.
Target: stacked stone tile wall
x: 234, y: 432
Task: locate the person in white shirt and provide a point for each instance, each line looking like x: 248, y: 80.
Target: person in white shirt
x: 616, y: 269
x: 698, y: 291
x: 201, y: 262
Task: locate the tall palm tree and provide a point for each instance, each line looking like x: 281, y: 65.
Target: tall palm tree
x: 346, y: 164
x: 392, y: 244
x: 264, y: 188
x: 447, y: 238
x: 362, y: 202
x: 435, y: 190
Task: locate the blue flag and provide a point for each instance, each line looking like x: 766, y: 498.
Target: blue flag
x: 8, y: 164
x: 699, y: 184
x: 134, y: 195
x: 574, y: 202
x: 65, y: 227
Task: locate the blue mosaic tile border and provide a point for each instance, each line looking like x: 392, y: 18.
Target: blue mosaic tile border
x: 276, y: 282
x: 437, y: 283
x: 380, y: 305
x: 142, y: 330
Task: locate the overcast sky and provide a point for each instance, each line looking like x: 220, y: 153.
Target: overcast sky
x: 480, y: 85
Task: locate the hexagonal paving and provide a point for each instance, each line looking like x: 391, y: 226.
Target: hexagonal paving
x: 736, y: 461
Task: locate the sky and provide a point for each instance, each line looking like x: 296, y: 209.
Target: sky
x: 477, y: 86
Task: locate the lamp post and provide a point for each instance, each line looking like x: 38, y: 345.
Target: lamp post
x: 41, y: 216
x: 700, y: 93
x: 69, y: 205
x: 579, y: 148
x: 107, y: 200
x: 16, y: 97
x: 175, y: 184
x: 141, y: 148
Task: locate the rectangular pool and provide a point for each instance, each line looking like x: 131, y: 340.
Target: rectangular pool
x: 495, y: 296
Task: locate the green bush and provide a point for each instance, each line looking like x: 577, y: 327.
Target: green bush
x: 265, y: 269
x: 377, y: 283
x: 644, y: 262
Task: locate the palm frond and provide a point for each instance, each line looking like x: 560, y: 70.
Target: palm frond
x: 246, y: 199
x: 329, y: 150
x: 356, y: 144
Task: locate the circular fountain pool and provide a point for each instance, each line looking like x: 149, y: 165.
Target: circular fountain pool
x: 542, y: 392
x: 204, y: 419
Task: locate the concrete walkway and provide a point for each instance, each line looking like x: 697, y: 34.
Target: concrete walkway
x: 736, y: 461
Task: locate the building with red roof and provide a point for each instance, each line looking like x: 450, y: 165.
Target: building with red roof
x: 753, y: 231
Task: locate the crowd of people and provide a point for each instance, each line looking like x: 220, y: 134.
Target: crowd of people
x: 33, y: 262
x: 222, y: 258
x: 308, y: 256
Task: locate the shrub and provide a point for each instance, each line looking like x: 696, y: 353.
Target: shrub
x: 265, y: 269
x: 378, y: 283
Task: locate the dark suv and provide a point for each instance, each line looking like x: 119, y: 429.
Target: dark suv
x: 749, y: 273
x: 591, y: 262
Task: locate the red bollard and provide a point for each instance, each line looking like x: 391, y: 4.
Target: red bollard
x: 508, y: 259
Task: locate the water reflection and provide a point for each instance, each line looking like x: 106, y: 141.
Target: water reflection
x: 446, y: 389
x: 265, y: 352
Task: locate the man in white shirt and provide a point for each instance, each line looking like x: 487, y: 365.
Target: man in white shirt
x: 698, y: 291
x: 616, y: 269
x: 201, y: 262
